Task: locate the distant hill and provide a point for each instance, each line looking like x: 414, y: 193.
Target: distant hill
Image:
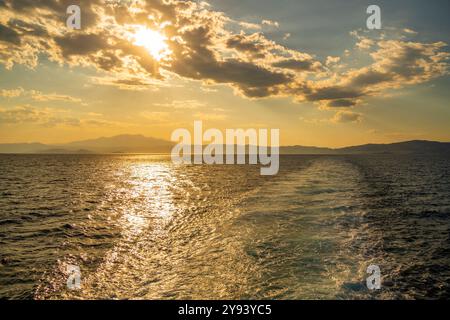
x: 117, y: 144
x: 65, y: 151
x: 306, y: 150
x: 142, y: 144
x: 122, y: 144
x: 416, y: 146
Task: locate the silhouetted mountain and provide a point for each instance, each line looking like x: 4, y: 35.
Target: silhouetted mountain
x: 416, y: 146
x: 122, y: 144
x: 306, y: 150
x: 116, y: 144
x: 65, y: 151
x: 142, y: 144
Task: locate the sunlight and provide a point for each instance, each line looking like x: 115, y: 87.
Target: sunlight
x: 153, y: 41
x: 148, y: 201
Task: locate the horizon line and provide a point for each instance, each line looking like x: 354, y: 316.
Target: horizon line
x: 235, y: 145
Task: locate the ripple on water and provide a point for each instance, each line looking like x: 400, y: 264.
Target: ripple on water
x: 140, y: 227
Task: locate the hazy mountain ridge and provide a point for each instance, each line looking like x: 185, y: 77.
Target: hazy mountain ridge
x: 142, y: 144
x: 415, y: 146
x: 122, y: 144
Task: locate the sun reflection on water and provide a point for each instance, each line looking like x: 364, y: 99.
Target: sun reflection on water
x: 150, y: 205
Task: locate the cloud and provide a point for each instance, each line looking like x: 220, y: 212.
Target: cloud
x: 307, y: 64
x: 48, y: 117
x: 270, y: 23
x: 333, y: 92
x: 343, y: 116
x: 22, y: 114
x: 132, y: 84
x: 332, y: 60
x: 80, y: 44
x: 9, y: 35
x: 204, y: 48
x: 248, y: 25
x: 395, y: 64
x: 39, y: 116
x: 256, y: 45
x: 346, y: 117
x: 365, y: 44
x: 11, y: 93
x: 39, y: 96
x: 341, y: 103
x: 406, y: 30
x: 208, y: 89
x: 182, y: 104
x: 27, y: 28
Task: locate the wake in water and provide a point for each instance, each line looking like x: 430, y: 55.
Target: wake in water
x: 140, y: 227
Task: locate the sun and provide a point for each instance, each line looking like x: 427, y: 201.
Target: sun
x: 153, y: 41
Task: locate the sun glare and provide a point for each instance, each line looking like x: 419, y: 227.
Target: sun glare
x: 153, y: 41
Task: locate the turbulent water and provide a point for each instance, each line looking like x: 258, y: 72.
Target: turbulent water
x: 140, y: 227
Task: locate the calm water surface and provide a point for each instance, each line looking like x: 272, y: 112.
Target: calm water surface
x: 140, y: 227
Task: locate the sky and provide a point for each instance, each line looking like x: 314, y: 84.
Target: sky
x: 309, y: 68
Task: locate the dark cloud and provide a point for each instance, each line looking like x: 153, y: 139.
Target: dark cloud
x: 26, y: 28
x: 370, y: 77
x: 57, y: 9
x: 9, y: 35
x: 341, y: 103
x: 108, y: 61
x: 299, y: 65
x: 253, y: 44
x: 334, y: 93
x: 202, y: 48
x: 80, y: 44
x: 194, y: 59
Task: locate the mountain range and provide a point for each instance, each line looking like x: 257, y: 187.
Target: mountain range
x: 142, y: 144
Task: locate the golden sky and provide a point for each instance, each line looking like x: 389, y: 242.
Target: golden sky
x: 311, y: 69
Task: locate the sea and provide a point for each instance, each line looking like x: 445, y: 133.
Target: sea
x: 141, y: 227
